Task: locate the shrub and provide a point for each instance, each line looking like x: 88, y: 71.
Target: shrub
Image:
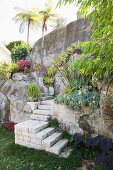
x: 33, y: 92
x: 23, y: 65
x: 79, y: 99
x: 104, y: 144
x: 6, y: 70
x: 53, y: 123
x: 12, y: 44
x: 9, y: 126
x: 20, y: 52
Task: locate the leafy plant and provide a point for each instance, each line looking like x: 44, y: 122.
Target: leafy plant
x: 66, y: 135
x: 104, y: 144
x: 20, y: 52
x: 48, y: 80
x: 12, y: 44
x: 9, y: 126
x: 78, y: 99
x: 33, y: 92
x: 6, y: 70
x: 53, y: 123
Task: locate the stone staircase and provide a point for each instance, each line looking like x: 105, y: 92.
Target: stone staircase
x: 35, y: 133
x: 43, y: 112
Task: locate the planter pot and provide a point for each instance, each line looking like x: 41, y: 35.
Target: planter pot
x: 33, y: 105
x: 50, y: 91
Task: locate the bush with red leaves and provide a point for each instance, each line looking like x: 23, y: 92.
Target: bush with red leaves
x: 9, y: 126
x: 23, y: 65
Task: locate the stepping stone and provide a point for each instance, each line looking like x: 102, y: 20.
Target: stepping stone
x: 58, y: 147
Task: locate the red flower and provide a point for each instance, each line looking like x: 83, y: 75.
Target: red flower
x: 23, y: 64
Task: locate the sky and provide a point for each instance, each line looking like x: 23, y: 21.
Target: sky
x: 9, y: 30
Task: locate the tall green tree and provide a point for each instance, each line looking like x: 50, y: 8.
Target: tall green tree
x: 100, y: 47
x: 27, y: 18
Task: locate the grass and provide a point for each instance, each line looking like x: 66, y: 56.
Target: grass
x: 15, y: 157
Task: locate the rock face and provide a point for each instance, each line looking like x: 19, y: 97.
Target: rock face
x: 58, y: 40
x: 15, y: 91
x: 4, y: 108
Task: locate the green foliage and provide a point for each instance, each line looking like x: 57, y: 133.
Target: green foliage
x: 79, y: 99
x: 97, y: 59
x: 12, y: 44
x: 66, y: 135
x: 20, y: 52
x: 48, y: 80
x: 53, y: 123
x: 33, y: 92
x: 62, y: 65
x: 6, y: 70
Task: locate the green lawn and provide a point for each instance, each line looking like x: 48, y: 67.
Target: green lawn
x: 15, y: 157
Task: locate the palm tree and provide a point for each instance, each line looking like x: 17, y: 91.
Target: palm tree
x: 27, y: 18
x: 47, y: 14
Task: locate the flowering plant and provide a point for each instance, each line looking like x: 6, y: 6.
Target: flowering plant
x: 23, y: 65
x: 9, y: 126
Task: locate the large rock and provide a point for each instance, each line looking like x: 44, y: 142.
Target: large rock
x: 4, y: 108
x: 15, y: 90
x: 58, y: 40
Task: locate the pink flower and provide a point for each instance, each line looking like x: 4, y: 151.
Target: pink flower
x: 23, y: 64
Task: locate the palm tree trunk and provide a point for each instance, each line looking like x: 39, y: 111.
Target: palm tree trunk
x: 28, y: 31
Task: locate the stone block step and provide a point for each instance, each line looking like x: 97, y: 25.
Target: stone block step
x: 51, y: 140
x: 43, y: 134
x: 24, y: 126
x: 44, y: 107
x: 40, y: 117
x: 59, y: 146
x: 42, y: 94
x: 46, y: 98
x: 42, y: 112
x: 46, y: 102
x: 38, y: 127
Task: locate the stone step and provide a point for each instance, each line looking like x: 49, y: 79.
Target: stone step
x: 46, y: 102
x: 44, y: 107
x: 59, y: 146
x: 40, y: 117
x: 38, y: 127
x: 24, y: 126
x: 51, y: 140
x: 43, y: 134
x: 46, y: 98
x: 42, y: 94
x: 42, y: 112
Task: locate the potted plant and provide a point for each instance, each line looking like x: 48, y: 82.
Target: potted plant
x: 33, y: 95
x: 49, y: 82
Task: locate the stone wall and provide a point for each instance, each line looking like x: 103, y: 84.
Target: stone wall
x: 86, y: 119
x: 58, y: 40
